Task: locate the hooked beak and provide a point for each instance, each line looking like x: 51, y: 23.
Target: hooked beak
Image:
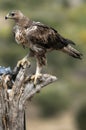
x: 8, y: 16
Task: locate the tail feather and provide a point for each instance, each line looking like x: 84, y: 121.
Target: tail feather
x: 67, y: 41
x: 72, y: 52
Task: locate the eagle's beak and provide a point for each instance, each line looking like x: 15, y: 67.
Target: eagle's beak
x: 8, y: 16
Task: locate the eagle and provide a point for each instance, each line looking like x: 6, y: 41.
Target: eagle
x: 40, y: 39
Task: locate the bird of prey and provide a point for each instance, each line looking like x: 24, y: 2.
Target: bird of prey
x: 40, y: 39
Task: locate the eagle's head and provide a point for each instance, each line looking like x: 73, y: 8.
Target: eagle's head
x: 15, y: 15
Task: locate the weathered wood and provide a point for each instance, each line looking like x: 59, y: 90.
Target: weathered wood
x: 12, y: 101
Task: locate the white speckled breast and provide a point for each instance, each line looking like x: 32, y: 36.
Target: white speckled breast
x: 20, y: 36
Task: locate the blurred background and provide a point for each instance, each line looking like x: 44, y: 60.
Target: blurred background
x: 62, y: 105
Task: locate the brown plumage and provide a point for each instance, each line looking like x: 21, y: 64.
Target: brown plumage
x: 39, y: 38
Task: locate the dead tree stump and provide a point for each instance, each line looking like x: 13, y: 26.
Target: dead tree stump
x: 14, y: 92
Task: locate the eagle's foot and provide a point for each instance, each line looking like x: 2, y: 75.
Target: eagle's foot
x: 24, y: 63
x: 36, y: 78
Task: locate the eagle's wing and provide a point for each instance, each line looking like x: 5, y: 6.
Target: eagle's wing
x: 46, y: 37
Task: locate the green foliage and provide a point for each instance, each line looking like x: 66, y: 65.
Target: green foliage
x: 8, y: 4
x: 81, y: 118
x: 52, y: 102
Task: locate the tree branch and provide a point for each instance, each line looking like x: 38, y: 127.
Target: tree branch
x: 23, y: 87
x: 15, y: 89
x: 30, y: 89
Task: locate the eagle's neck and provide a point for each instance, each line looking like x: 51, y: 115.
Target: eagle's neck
x: 24, y: 22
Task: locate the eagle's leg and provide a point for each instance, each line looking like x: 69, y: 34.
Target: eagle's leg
x: 41, y: 60
x: 24, y: 62
x: 38, y: 74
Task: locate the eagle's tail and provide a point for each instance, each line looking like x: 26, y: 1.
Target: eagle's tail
x: 72, y: 52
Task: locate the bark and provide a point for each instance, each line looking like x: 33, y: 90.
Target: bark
x: 12, y: 101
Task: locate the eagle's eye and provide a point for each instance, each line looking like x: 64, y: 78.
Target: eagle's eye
x: 12, y: 14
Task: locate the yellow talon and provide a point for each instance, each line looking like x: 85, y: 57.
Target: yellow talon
x: 24, y: 63
x: 36, y: 78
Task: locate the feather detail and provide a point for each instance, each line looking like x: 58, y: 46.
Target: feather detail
x: 72, y: 52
